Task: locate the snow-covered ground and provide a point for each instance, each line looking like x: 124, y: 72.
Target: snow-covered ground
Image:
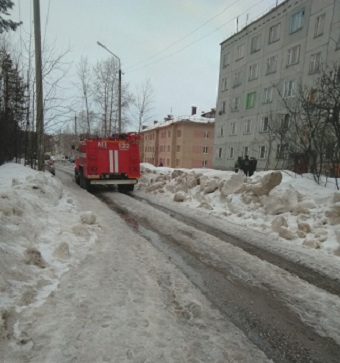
x: 57, y: 239
x: 284, y: 205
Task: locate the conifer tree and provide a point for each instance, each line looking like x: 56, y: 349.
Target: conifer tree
x: 6, y: 24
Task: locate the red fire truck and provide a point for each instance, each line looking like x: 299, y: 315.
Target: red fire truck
x: 108, y: 161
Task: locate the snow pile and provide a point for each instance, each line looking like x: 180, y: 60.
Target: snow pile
x: 280, y: 204
x: 40, y: 230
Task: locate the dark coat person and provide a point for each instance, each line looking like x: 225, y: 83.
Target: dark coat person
x: 238, y: 164
x: 252, y: 166
x: 246, y: 165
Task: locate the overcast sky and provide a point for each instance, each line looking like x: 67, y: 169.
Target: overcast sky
x: 173, y: 43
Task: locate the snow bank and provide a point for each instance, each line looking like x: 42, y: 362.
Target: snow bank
x: 287, y: 206
x: 40, y: 229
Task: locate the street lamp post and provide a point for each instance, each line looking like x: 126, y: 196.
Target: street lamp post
x: 119, y: 88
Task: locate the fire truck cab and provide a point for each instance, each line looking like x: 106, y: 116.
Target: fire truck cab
x: 108, y: 161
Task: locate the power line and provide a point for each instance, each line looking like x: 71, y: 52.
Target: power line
x: 184, y: 37
x: 188, y: 45
x: 46, y: 22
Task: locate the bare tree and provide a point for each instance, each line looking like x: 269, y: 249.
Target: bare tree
x: 143, y: 101
x: 106, y: 93
x: 84, y: 73
x: 54, y: 72
x: 84, y: 119
x: 311, y: 125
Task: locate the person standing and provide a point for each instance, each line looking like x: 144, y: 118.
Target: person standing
x: 252, y: 165
x: 238, y: 164
x: 245, y: 165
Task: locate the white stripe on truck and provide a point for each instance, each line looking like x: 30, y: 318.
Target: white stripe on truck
x: 116, y: 161
x: 111, y: 160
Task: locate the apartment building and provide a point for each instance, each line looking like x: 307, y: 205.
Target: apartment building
x: 181, y: 143
x: 267, y: 61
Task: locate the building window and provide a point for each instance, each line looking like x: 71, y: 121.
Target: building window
x: 168, y: 148
x: 262, y: 152
x: 247, y: 127
x: 206, y: 134
x: 264, y: 124
x: 233, y: 129
x: 240, y: 51
x: 274, y: 33
x: 271, y: 64
x: 293, y: 55
x: 204, y: 163
x: 237, y: 79
x: 220, y: 153
x: 235, y: 104
x: 178, y: 148
x: 284, y: 122
x: 268, y: 95
x: 226, y: 60
x: 282, y: 151
x: 231, y: 153
x: 319, y: 25
x: 255, y: 44
x: 289, y: 89
x: 312, y: 97
x: 205, y: 149
x: 179, y: 133
x: 245, y: 150
x: 169, y: 133
x: 337, y: 43
x: 223, y: 106
x: 224, y: 84
x: 314, y: 63
x: 250, y: 100
x: 253, y: 71
x: 296, y: 21
x: 221, y: 131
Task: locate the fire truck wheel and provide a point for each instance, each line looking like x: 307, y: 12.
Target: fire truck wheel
x: 124, y: 188
x: 81, y: 180
x: 85, y: 183
x: 77, y: 179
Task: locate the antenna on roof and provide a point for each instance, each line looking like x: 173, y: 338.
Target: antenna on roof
x: 236, y: 24
x: 247, y: 19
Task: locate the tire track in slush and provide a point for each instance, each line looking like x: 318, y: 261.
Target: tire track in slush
x: 265, y: 320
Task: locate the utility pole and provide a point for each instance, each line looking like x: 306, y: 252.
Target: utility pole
x: 119, y: 99
x: 27, y: 115
x: 39, y: 86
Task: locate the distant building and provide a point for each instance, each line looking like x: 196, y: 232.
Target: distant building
x: 262, y: 64
x: 209, y: 114
x: 185, y: 142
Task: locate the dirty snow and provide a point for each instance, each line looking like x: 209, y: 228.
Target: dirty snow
x: 59, y: 244
x: 281, y: 204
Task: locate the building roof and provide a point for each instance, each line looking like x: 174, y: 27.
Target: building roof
x: 192, y: 118
x: 248, y: 26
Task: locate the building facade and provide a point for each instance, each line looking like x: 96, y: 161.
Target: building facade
x: 183, y: 143
x: 263, y: 64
